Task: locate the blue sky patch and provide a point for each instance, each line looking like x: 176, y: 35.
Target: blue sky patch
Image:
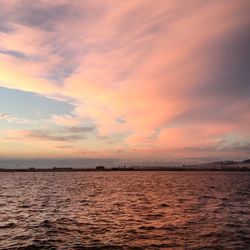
x: 29, y: 105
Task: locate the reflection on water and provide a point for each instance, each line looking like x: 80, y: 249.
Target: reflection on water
x: 125, y: 210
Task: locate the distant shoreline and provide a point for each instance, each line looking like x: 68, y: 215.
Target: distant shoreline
x: 123, y: 170
x: 226, y: 166
x: 67, y: 166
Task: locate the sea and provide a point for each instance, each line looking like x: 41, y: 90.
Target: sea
x: 125, y: 210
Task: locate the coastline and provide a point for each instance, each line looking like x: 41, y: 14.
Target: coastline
x: 33, y: 170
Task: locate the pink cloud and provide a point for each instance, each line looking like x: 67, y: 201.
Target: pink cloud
x: 144, y: 63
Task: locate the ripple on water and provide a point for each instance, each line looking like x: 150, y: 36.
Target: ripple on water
x: 125, y: 210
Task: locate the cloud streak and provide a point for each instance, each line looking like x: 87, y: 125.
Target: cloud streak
x: 12, y: 119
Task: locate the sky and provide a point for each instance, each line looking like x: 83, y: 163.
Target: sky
x: 140, y: 79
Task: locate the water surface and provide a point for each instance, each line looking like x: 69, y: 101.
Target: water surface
x: 125, y: 210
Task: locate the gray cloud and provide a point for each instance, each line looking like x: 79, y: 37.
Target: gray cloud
x: 64, y: 135
x: 231, y: 79
x: 81, y: 129
x: 223, y: 96
x: 40, y: 14
x: 20, y: 55
x: 44, y: 135
x: 14, y: 53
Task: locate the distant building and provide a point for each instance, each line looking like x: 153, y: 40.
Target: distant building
x: 100, y: 168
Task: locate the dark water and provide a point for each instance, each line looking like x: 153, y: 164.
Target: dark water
x: 125, y: 210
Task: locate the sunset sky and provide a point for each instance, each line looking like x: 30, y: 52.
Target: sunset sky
x: 127, y: 79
